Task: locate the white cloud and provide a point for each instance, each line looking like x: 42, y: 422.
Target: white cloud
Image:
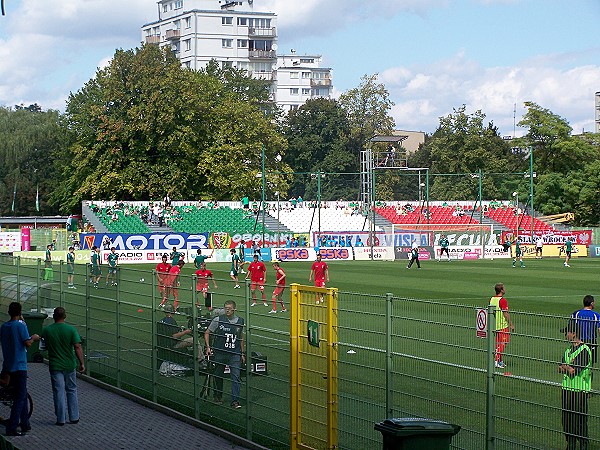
x: 318, y: 17
x: 423, y: 94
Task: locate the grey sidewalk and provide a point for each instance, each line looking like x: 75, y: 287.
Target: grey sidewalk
x: 110, y: 421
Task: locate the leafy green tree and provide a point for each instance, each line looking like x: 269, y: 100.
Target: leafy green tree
x: 318, y: 135
x: 368, y: 106
x: 29, y: 141
x: 145, y: 126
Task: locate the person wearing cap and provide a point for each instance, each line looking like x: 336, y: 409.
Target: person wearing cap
x: 588, y: 322
x: 576, y: 367
x: 183, y: 336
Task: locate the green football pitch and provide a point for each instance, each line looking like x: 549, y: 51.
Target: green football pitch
x: 544, y: 287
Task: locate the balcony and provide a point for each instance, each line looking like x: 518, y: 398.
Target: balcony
x: 172, y: 35
x: 262, y: 54
x: 261, y: 75
x: 315, y: 83
x: 152, y: 39
x: 265, y: 32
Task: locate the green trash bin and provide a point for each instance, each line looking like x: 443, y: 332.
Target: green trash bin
x: 416, y: 434
x: 35, y: 323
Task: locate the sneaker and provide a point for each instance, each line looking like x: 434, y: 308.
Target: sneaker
x: 236, y: 405
x: 218, y: 400
x: 322, y: 300
x: 114, y: 284
x: 265, y: 303
x: 522, y: 266
x: 499, y: 365
x: 273, y: 311
x: 237, y: 286
x: 284, y: 310
x: 73, y: 287
x: 242, y: 271
x: 253, y: 304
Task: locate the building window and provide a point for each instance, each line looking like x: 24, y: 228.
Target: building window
x: 242, y: 21
x: 226, y: 64
x: 188, y: 22
x: 293, y: 75
x: 165, y: 8
x: 319, y: 76
x: 307, y: 60
x: 242, y: 43
x: 188, y: 44
x: 305, y: 75
x: 305, y: 91
x: 227, y: 43
x: 177, y: 24
x: 187, y: 64
x: 179, y: 4
x: 293, y: 91
x: 226, y: 20
x: 293, y: 107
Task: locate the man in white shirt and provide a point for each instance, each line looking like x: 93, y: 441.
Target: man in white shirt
x: 539, y: 244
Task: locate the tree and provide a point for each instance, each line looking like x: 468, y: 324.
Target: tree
x: 318, y: 135
x: 29, y: 141
x: 368, y: 107
x: 545, y: 131
x: 145, y: 126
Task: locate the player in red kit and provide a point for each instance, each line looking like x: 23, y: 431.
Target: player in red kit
x: 279, y: 288
x: 162, y: 274
x: 320, y: 272
x: 258, y: 272
x: 172, y: 283
x: 203, y: 275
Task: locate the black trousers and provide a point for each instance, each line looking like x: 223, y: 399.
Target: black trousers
x: 412, y: 260
x: 575, y: 418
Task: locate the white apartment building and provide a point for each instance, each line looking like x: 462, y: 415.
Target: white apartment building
x: 597, y: 115
x: 235, y: 35
x: 300, y: 78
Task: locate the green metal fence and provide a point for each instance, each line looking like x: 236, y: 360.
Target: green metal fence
x: 398, y: 357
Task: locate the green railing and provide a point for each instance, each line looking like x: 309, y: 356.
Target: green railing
x: 398, y: 357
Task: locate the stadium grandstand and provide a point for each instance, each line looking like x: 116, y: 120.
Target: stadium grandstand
x: 332, y: 216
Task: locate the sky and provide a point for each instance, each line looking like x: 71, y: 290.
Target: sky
x: 433, y: 56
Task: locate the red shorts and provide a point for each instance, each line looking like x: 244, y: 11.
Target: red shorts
x: 502, y: 336
x: 201, y: 287
x: 259, y: 284
x: 319, y: 283
x: 278, y: 290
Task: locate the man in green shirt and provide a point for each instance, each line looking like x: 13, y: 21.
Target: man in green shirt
x: 518, y: 254
x: 64, y: 356
x: 113, y: 262
x: 200, y: 258
x: 96, y: 271
x: 235, y: 265
x: 576, y: 367
x: 175, y: 256
x: 444, y: 243
x: 71, y: 267
x: 568, y: 249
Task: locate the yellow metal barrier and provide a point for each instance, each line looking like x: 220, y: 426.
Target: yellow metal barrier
x: 314, y: 368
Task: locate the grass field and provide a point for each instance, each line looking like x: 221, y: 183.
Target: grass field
x: 438, y: 365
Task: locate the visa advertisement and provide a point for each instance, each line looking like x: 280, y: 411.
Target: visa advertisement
x: 363, y: 239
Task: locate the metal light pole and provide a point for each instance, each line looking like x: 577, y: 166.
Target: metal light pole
x: 531, y: 175
x: 516, y: 195
x: 263, y: 194
x: 278, y: 237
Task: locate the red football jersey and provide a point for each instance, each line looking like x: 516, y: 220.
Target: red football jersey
x: 319, y: 268
x: 257, y: 271
x: 280, y: 277
x: 173, y: 274
x: 203, y: 277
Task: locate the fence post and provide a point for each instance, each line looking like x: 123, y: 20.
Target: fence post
x: 61, y: 292
x: 389, y: 400
x: 118, y: 320
x: 248, y: 363
x: 490, y: 388
x: 154, y: 358
x: 38, y: 283
x: 18, y: 299
x: 87, y: 320
x: 195, y: 343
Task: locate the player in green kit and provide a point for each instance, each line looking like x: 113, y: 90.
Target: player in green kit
x: 113, y: 262
x: 568, y: 249
x: 175, y: 257
x: 71, y: 267
x: 96, y: 271
x: 235, y: 265
x: 518, y: 254
x: 201, y: 259
x: 444, y: 243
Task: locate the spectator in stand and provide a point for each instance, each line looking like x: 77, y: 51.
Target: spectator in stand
x: 299, y: 201
x: 167, y: 200
x: 246, y: 202
x: 288, y: 242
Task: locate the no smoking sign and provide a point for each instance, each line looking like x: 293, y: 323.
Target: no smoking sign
x: 481, y: 326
